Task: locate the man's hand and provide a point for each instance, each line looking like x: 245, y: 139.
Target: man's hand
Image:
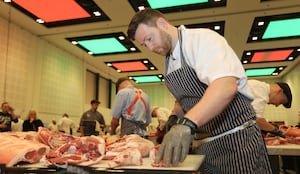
x: 171, y: 122
x: 277, y: 132
x: 175, y: 145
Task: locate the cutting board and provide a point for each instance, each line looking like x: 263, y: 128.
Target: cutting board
x: 191, y: 163
x: 286, y: 149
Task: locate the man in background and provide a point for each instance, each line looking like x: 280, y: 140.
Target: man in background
x: 132, y: 105
x: 65, y: 124
x: 275, y: 94
x: 89, y: 118
x: 6, y: 118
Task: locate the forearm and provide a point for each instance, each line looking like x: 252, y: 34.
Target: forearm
x: 264, y: 125
x: 114, y: 124
x: 215, y: 99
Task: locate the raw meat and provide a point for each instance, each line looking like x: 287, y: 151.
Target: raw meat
x: 130, y: 156
x: 14, y: 150
x: 82, y: 151
x: 129, y: 141
x: 53, y: 139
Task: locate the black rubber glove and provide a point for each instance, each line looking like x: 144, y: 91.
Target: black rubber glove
x: 171, y: 122
x: 277, y: 132
x: 175, y: 145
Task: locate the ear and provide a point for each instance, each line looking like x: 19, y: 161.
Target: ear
x: 162, y: 23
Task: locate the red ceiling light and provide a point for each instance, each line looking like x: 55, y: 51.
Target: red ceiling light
x: 54, y: 10
x: 130, y: 66
x: 271, y: 56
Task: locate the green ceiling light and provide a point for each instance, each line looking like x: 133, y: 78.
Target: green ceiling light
x: 147, y: 78
x: 282, y: 28
x: 155, y: 4
x: 260, y: 72
x: 103, y: 46
x: 276, y: 27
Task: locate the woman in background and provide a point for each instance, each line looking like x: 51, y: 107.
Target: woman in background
x: 32, y: 123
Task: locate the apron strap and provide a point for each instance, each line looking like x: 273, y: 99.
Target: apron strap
x: 137, y: 97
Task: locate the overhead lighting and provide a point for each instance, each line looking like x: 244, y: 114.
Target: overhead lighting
x: 112, y: 43
x: 132, y: 65
x: 218, y: 26
x: 169, y: 6
x: 270, y: 55
x: 147, y: 78
x: 61, y: 12
x: 275, y: 27
x: 268, y: 71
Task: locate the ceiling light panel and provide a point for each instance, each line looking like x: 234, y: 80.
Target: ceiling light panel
x: 53, y: 13
x: 219, y: 26
x: 105, y: 44
x: 169, y: 6
x: 267, y: 71
x: 275, y: 27
x: 270, y: 55
x: 132, y: 65
x: 148, y: 78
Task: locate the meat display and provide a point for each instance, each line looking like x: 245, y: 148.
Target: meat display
x: 14, y: 150
x: 62, y: 149
x: 292, y: 136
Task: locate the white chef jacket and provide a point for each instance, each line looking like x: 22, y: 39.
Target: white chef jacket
x: 204, y: 49
x: 260, y: 91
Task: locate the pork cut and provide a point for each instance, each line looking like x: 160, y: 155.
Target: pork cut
x: 129, y: 141
x: 14, y: 150
x: 82, y: 151
x: 130, y: 156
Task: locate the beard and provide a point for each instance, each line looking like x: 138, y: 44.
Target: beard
x: 166, y: 43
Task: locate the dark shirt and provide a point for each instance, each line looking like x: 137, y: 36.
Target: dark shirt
x: 6, y: 118
x: 33, y: 126
x: 88, y: 121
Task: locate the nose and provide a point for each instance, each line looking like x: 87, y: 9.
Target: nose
x: 150, y: 46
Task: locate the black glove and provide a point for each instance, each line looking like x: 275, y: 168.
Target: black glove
x: 277, y: 132
x: 171, y: 122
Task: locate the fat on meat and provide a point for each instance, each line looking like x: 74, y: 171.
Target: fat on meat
x: 14, y: 150
x: 130, y: 156
x: 129, y: 141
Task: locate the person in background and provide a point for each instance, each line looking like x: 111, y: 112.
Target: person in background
x: 65, y: 124
x: 32, y: 123
x: 162, y: 114
x: 89, y: 118
x: 53, y: 126
x: 17, y: 125
x: 274, y: 94
x: 209, y: 82
x: 132, y: 106
x: 6, y: 118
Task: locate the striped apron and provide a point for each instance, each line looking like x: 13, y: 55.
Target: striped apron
x: 240, y: 152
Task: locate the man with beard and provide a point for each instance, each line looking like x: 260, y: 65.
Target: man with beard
x: 209, y: 82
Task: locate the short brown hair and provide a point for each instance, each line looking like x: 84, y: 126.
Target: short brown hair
x: 147, y: 16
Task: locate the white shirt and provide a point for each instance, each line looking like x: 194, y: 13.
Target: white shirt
x: 210, y: 55
x: 17, y: 127
x: 260, y: 91
x: 65, y: 124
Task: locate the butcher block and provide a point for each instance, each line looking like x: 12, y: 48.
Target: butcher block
x: 286, y: 149
x: 190, y: 165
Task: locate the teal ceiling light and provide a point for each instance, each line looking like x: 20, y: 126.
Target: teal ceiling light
x: 269, y: 71
x: 147, y: 78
